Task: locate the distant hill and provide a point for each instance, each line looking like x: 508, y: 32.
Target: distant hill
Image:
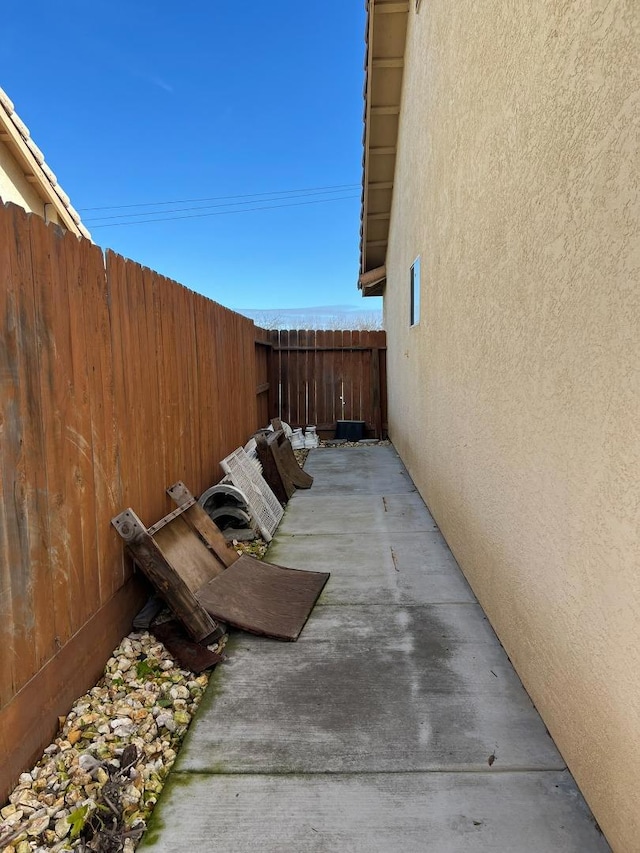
x: 319, y: 317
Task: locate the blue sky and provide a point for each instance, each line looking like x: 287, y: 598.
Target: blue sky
x: 136, y: 102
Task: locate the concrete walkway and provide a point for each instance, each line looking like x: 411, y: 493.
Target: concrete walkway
x: 396, y: 722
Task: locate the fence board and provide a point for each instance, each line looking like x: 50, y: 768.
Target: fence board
x: 275, y: 368
x: 14, y: 556
x: 263, y: 376
x: 33, y: 588
x: 83, y: 487
x: 104, y: 440
x: 347, y: 369
x: 47, y: 282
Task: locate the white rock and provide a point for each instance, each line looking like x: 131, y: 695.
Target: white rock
x: 14, y: 817
x: 124, y: 731
x: 87, y: 762
x: 167, y: 721
x: 37, y: 826
x: 27, y: 799
x: 7, y: 811
x: 131, y: 796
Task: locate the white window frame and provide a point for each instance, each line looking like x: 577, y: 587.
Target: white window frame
x: 414, y: 292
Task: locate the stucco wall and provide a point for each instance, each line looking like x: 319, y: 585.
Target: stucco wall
x: 516, y: 401
x: 15, y: 187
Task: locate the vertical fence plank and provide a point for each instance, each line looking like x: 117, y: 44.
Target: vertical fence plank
x: 364, y: 382
x: 104, y: 439
x: 208, y: 412
x: 34, y: 645
x: 324, y: 385
x: 294, y: 377
x: 13, y: 591
x: 275, y: 372
x: 154, y: 381
x: 80, y: 484
x: 33, y: 355
x: 285, y: 370
x: 303, y: 378
x: 116, y: 286
x: 189, y: 419
x: 312, y: 383
x: 100, y: 445
x: 54, y: 360
x: 220, y: 356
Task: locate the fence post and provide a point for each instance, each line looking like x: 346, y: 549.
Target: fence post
x: 375, y: 391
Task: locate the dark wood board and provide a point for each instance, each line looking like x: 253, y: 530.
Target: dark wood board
x: 263, y: 598
x: 281, y: 487
x: 287, y: 464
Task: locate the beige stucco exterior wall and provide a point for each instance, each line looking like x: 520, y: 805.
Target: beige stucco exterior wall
x: 516, y: 401
x: 15, y: 187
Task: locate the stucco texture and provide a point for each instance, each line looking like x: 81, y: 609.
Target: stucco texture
x: 14, y: 186
x: 515, y: 402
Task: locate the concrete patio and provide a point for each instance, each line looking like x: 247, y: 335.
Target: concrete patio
x: 395, y: 723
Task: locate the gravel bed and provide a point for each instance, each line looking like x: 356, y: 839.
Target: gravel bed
x: 97, y: 783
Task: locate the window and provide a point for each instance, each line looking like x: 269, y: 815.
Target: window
x: 415, y: 292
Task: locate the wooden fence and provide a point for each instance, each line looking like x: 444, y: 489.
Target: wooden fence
x: 320, y: 377
x: 116, y: 382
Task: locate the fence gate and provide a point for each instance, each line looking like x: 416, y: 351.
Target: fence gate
x: 320, y: 377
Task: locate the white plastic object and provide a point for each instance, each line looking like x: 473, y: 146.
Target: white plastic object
x: 311, y: 437
x: 297, y: 440
x: 263, y: 504
x: 287, y: 430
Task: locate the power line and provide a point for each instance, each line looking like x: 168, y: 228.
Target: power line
x: 222, y: 212
x: 205, y: 207
x: 218, y: 198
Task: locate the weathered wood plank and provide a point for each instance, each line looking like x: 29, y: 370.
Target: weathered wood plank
x: 48, y: 267
x: 11, y: 553
x: 30, y: 579
x: 201, y: 522
x: 149, y: 555
x: 81, y: 482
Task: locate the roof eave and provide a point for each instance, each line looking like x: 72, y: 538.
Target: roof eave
x: 16, y: 137
x: 384, y: 63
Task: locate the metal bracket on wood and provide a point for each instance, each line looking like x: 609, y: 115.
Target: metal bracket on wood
x: 170, y: 516
x: 128, y: 525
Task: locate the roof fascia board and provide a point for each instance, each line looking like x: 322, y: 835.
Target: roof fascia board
x: 33, y: 171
